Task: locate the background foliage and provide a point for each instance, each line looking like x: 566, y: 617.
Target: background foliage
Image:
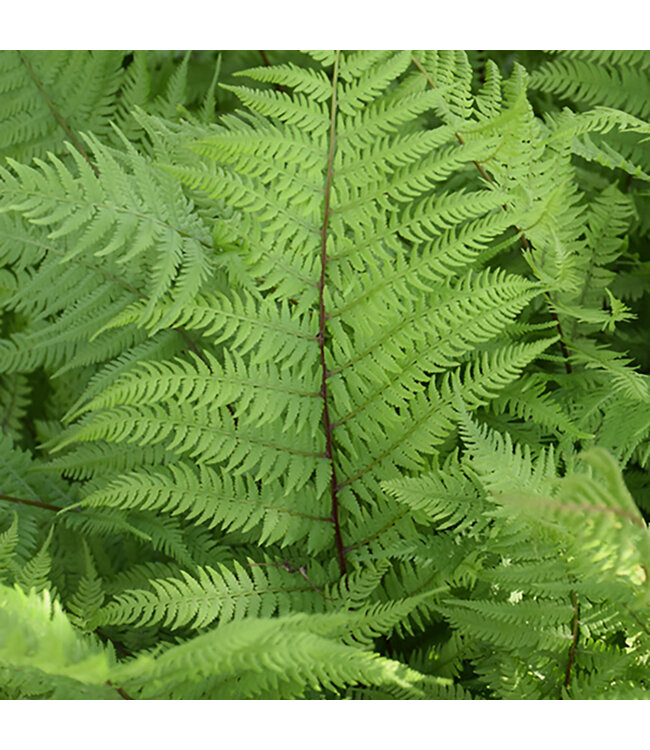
x: 324, y: 375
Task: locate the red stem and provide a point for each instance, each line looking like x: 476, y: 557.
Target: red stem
x: 322, y: 318
x: 35, y: 503
x: 121, y: 691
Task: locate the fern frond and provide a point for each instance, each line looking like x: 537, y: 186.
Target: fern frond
x: 89, y: 596
x: 591, y: 78
x: 77, y: 666
x: 108, y: 216
x: 8, y: 542
x: 225, y: 594
x: 35, y: 575
x: 14, y: 391
x: 499, y: 464
x: 447, y: 497
x: 601, y: 515
x: 213, y: 498
x: 293, y: 384
x: 263, y: 658
x: 50, y: 96
x: 624, y: 380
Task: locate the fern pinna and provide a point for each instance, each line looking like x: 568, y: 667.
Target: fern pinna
x: 315, y: 377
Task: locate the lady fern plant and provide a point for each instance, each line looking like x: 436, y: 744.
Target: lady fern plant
x: 324, y: 393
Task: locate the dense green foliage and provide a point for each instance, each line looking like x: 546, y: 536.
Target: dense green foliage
x: 324, y: 375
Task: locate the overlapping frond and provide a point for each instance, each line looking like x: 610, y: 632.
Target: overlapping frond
x: 267, y: 658
x: 38, y: 641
